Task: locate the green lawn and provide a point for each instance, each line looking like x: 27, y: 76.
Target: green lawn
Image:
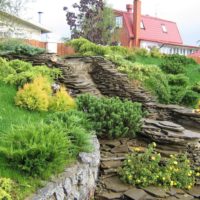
x: 192, y: 71
x: 10, y: 116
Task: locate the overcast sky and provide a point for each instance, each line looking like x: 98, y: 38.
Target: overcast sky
x: 185, y: 13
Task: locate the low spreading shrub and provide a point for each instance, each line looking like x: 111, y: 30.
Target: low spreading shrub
x: 111, y: 117
x: 175, y: 64
x: 6, y: 189
x: 141, y: 52
x: 120, y: 50
x: 196, y: 87
x: 61, y: 101
x: 17, y: 46
x: 178, y: 80
x: 190, y: 98
x: 149, y: 168
x: 158, y: 85
x: 17, y: 72
x: 155, y: 53
x: 36, y: 149
x: 5, y: 69
x: 35, y: 95
x: 19, y: 65
x: 76, y: 126
x: 177, y: 94
x: 151, y: 77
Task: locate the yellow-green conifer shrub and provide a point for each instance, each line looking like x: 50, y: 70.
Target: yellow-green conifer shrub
x: 6, y: 186
x: 61, y: 101
x: 35, y: 95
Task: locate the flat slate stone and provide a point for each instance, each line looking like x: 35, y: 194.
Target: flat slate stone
x: 110, y: 195
x: 136, y: 194
x: 115, y: 184
x: 156, y: 192
x: 184, y: 197
x: 120, y: 149
x: 195, y: 191
x: 111, y: 143
x: 111, y: 164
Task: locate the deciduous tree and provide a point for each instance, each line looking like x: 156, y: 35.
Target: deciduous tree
x: 93, y: 21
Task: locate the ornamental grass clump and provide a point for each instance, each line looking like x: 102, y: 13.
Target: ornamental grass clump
x: 149, y: 168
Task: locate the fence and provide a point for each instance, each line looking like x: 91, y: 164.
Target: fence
x: 36, y: 43
x: 196, y: 58
x: 61, y: 49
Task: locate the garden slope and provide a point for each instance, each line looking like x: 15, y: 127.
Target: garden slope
x: 98, y: 76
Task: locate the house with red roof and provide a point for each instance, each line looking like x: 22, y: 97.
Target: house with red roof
x: 136, y: 30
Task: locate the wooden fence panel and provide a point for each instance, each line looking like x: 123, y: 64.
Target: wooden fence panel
x: 36, y: 43
x: 63, y: 50
x: 197, y: 59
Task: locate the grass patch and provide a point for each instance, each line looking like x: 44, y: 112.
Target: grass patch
x: 148, y: 60
x: 193, y: 73
x: 11, y: 115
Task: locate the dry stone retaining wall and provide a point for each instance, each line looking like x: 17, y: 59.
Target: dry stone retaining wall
x: 77, y: 182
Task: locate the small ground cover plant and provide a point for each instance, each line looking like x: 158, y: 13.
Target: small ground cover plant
x: 111, y: 117
x: 6, y: 189
x: 17, y: 72
x: 18, y: 46
x: 149, y: 168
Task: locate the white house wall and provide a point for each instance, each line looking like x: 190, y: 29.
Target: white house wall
x: 16, y: 29
x: 166, y: 48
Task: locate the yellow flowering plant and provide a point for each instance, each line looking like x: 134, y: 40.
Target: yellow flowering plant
x: 145, y: 168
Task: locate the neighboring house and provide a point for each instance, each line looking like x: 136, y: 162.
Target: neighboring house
x: 136, y: 30
x: 16, y: 27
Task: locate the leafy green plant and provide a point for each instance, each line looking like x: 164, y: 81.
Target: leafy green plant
x: 149, y: 168
x: 36, y: 149
x: 6, y: 189
x: 173, y: 64
x: 141, y: 52
x: 76, y: 126
x: 196, y: 87
x: 155, y: 53
x: 112, y: 117
x: 158, y: 85
x: 61, y: 101
x: 178, y: 80
x: 17, y: 72
x: 17, y: 46
x: 35, y: 95
x: 190, y: 98
x: 151, y: 77
x: 5, y: 69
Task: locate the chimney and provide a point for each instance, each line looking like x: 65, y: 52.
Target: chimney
x: 129, y: 8
x: 136, y: 22
x: 40, y: 17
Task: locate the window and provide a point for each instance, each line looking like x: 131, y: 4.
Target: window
x: 142, y: 25
x: 164, y: 28
x: 119, y: 22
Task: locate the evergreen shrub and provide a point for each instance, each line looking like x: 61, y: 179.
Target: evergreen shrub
x: 112, y: 117
x: 36, y: 149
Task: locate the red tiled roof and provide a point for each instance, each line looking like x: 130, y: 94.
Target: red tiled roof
x: 153, y: 29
